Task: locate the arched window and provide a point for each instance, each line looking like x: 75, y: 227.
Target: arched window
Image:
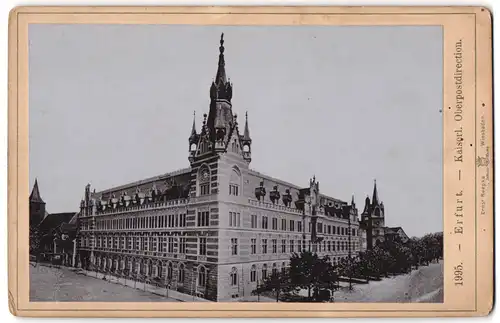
x: 170, y: 271
x: 158, y: 269
x: 150, y: 268
x: 264, y: 272
x: 275, y: 269
x: 283, y: 268
x: 234, y: 182
x: 181, y: 273
x: 234, y: 276
x: 253, y: 273
x: 204, y: 180
x: 202, y: 276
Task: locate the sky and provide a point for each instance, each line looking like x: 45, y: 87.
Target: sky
x: 111, y: 104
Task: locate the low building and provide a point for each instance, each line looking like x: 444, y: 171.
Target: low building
x: 55, y: 232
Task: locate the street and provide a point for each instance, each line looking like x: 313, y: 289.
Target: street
x: 64, y: 285
x: 424, y: 285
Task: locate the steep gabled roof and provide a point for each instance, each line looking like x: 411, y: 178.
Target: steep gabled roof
x: 35, y: 193
x: 54, y: 220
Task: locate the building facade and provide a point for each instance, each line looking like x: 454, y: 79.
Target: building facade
x: 216, y: 228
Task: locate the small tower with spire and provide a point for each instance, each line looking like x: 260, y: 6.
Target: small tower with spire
x: 372, y: 219
x: 193, y: 139
x: 37, y: 206
x: 246, y: 141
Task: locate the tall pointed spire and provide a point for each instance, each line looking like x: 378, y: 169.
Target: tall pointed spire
x: 35, y: 193
x: 375, y: 193
x: 220, y: 78
x: 352, y: 201
x: 193, y: 130
x: 246, y: 133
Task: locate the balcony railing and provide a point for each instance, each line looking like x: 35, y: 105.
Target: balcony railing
x: 145, y: 206
x: 277, y: 207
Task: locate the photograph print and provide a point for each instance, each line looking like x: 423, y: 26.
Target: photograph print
x: 195, y: 163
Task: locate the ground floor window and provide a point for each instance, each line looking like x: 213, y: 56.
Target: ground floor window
x: 253, y: 274
x: 181, y: 273
x: 234, y: 277
x: 202, y: 276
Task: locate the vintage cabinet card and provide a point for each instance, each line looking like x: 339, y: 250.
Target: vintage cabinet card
x: 250, y: 161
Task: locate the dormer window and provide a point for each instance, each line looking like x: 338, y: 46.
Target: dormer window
x: 274, y: 195
x: 260, y: 191
x: 287, y: 198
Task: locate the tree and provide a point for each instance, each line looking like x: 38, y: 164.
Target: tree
x: 34, y: 240
x: 276, y: 283
x: 314, y: 274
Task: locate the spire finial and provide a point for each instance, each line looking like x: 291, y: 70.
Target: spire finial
x: 193, y: 129
x: 221, y: 72
x: 375, y: 193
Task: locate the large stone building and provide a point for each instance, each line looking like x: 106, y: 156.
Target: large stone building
x: 216, y: 228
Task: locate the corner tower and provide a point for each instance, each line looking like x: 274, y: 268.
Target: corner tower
x: 218, y: 137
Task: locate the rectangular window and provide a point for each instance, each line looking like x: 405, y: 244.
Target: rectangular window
x: 264, y: 246
x: 254, y: 221
x: 234, y: 246
x: 143, y: 243
x: 292, y: 225
x: 320, y: 228
x: 264, y: 222
x: 137, y: 241
x: 171, y: 243
x: 203, y: 219
x: 275, y: 246
x: 275, y: 224
x: 234, y: 219
x: 205, y: 189
x: 182, y: 245
x: 253, y: 275
x: 283, y: 224
x: 154, y: 244
x: 160, y: 244
x: 253, y: 246
x: 202, y: 246
x: 233, y: 189
x: 283, y: 246
x: 299, y: 226
x: 292, y: 247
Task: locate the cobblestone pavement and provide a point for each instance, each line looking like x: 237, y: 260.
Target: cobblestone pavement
x: 64, y: 285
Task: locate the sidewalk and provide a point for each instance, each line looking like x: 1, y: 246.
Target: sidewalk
x: 145, y: 287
